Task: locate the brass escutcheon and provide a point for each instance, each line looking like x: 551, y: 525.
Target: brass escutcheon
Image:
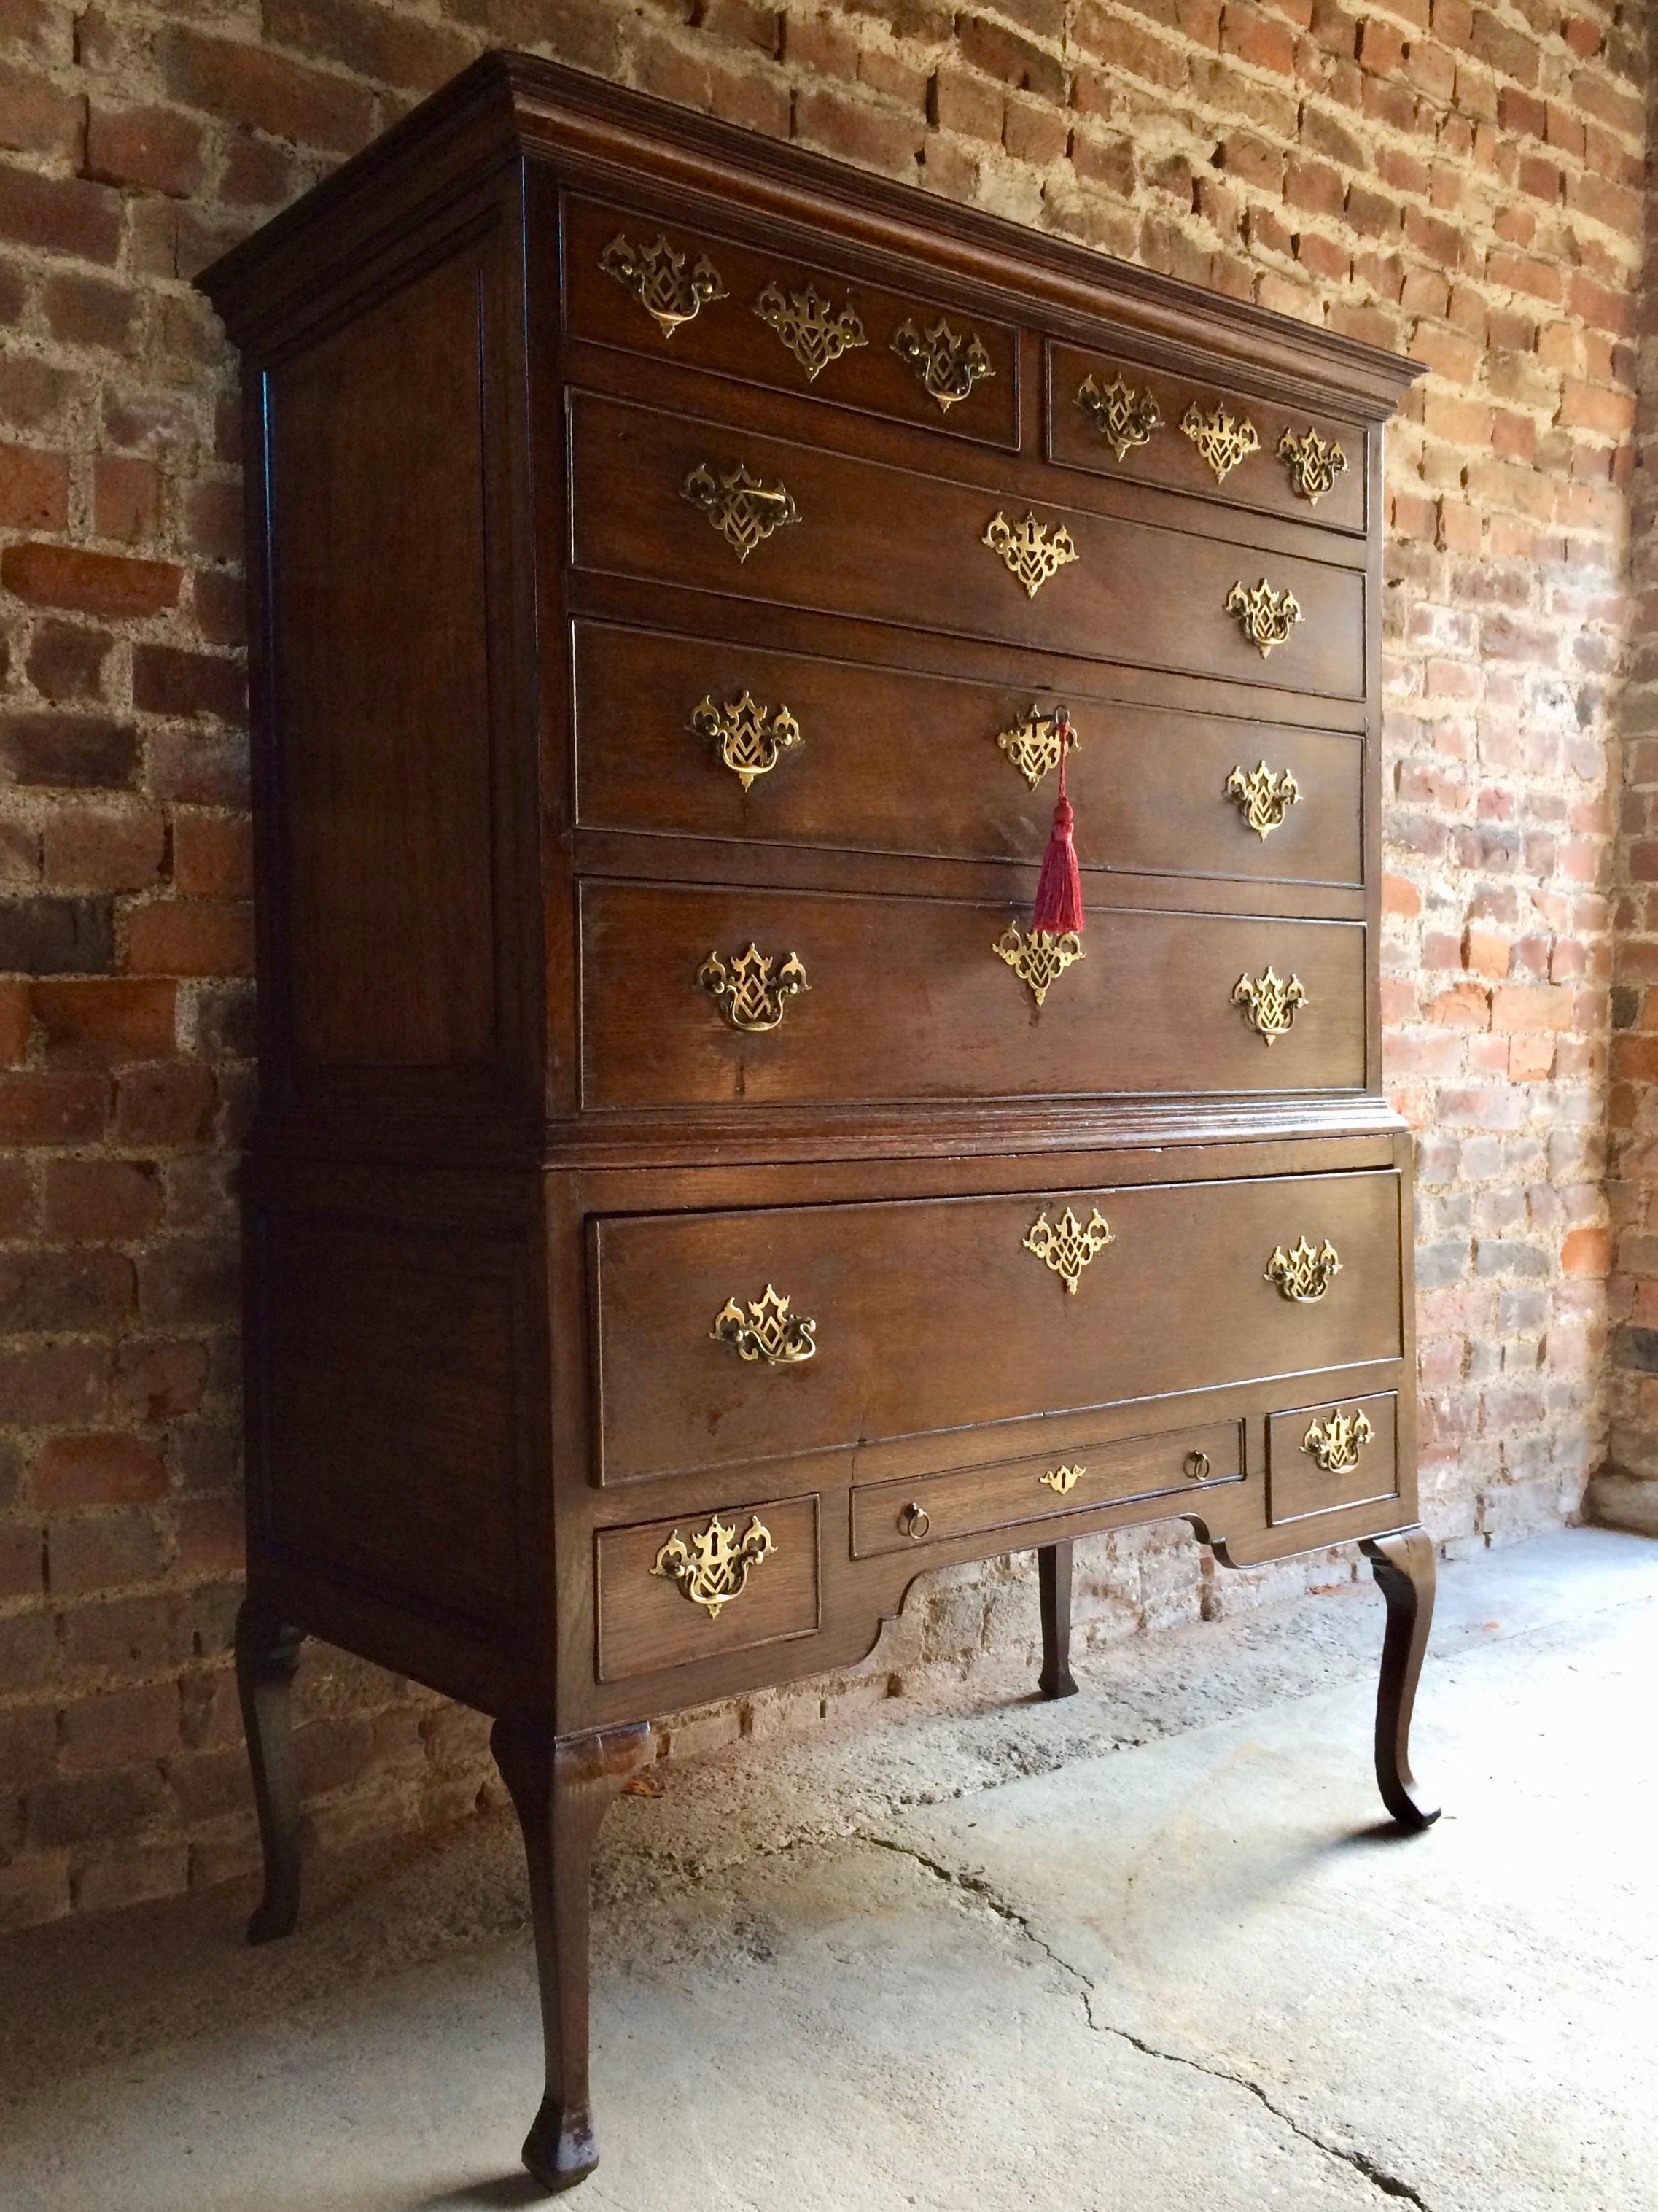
x: 766, y: 1329
x: 1305, y: 1272
x: 713, y: 1568
x: 1028, y: 552
x: 1065, y: 1247
x: 749, y: 996
x: 655, y: 275
x: 803, y: 321
x: 1034, y: 745
x: 1224, y: 439
x: 1062, y: 1480
x: 1039, y: 959
x: 1336, y: 1444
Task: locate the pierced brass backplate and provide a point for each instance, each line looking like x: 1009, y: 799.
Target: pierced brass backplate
x: 1039, y: 959
x: 1065, y: 1247
x: 814, y: 334
x: 743, y: 510
x: 1035, y: 744
x: 751, y: 739
x: 1062, y: 1480
x: 1313, y: 462
x: 715, y: 1567
x: 1224, y: 439
x: 1265, y: 617
x: 749, y: 995
x: 1336, y: 1444
x: 656, y: 277
x: 1030, y: 555
x: 1263, y: 795
x: 1269, y: 1004
x: 766, y: 1329
x: 1304, y: 1273
x: 948, y: 366
x: 1123, y: 416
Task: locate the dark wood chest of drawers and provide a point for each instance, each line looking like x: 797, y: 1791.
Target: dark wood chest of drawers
x: 690, y: 1198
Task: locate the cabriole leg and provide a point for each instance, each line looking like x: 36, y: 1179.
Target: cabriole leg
x: 1404, y: 1568
x: 1054, y: 1587
x: 267, y: 1654
x: 562, y: 1790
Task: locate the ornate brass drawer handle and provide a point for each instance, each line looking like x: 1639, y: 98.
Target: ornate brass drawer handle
x: 1028, y: 554
x: 804, y: 324
x: 743, y: 510
x: 1034, y: 745
x: 1265, y: 617
x: 948, y: 366
x: 750, y: 737
x: 1039, y: 959
x: 1065, y: 1247
x: 766, y: 1329
x: 1269, y: 1004
x: 656, y: 277
x: 1304, y: 1273
x: 1313, y: 464
x: 1264, y: 796
x: 1224, y: 439
x: 1336, y: 1444
x: 750, y: 997
x: 715, y: 1567
x: 1122, y: 416
x: 1062, y: 1480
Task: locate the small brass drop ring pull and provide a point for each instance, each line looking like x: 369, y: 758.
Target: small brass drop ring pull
x: 915, y: 1520
x: 1197, y: 1465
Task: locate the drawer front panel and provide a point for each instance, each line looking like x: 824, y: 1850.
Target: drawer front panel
x: 893, y: 546
x: 732, y: 741
x: 902, y: 1517
x: 908, y: 998
x: 720, y: 1588
x: 1097, y: 405
x: 934, y: 1315
x: 1319, y: 1457
x: 788, y: 325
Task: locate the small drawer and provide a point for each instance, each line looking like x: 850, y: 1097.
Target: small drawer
x: 900, y: 1517
x: 1320, y: 1457
x: 1117, y: 419
x: 695, y: 300
x: 672, y: 1592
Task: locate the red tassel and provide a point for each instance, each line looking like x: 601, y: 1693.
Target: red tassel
x: 1059, y: 888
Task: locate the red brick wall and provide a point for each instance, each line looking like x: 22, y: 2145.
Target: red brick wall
x: 1460, y: 182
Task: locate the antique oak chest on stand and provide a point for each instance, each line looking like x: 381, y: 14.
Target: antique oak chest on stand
x: 690, y: 1198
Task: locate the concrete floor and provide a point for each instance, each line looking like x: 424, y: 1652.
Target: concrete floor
x: 1149, y: 1949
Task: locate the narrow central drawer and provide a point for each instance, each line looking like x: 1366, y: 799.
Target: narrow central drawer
x: 727, y: 1338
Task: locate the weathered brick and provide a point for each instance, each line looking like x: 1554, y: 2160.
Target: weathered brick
x: 91, y: 583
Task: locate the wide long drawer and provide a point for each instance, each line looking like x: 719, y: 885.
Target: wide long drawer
x: 677, y: 500
x: 698, y: 996
x: 726, y: 1338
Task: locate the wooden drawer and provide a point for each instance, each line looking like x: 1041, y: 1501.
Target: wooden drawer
x: 901, y: 1517
x: 788, y: 325
x: 908, y: 998
x: 767, y: 1593
x: 1319, y: 1457
x: 936, y: 1315
x: 883, y: 760
x: 892, y: 545
x: 1097, y: 401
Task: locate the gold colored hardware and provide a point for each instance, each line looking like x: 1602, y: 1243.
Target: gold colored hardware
x: 1065, y: 1247
x: 1269, y: 1006
x: 915, y: 1520
x: 948, y: 366
x: 1062, y: 1480
x: 715, y: 1567
x: 803, y: 321
x: 1313, y: 463
x: 751, y: 997
x: 766, y: 1329
x: 655, y: 277
x: 1224, y: 439
x: 1028, y: 554
x: 1303, y: 1274
x: 1263, y: 797
x: 1123, y: 417
x: 1336, y: 1444
x: 745, y: 511
x: 1035, y: 745
x: 1041, y: 959
x: 1264, y: 617
x: 1197, y: 1465
x: 750, y: 746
